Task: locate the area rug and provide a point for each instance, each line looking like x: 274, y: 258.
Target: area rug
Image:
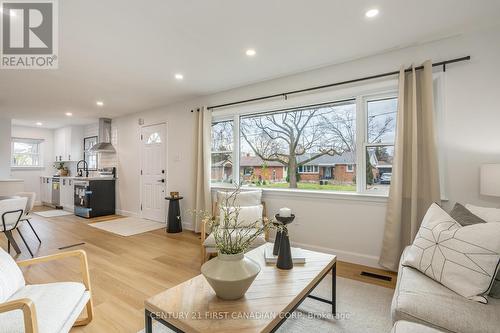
x: 362, y: 308
x: 53, y: 213
x: 128, y: 226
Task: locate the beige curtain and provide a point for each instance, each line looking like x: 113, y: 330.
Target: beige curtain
x: 415, y: 175
x: 203, y: 138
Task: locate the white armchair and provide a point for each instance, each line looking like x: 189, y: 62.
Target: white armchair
x: 249, y: 200
x: 42, y: 308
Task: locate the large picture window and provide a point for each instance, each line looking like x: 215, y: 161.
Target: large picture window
x: 317, y: 147
x: 26, y: 153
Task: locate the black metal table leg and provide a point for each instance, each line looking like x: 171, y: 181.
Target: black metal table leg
x: 334, y: 289
x: 148, y: 322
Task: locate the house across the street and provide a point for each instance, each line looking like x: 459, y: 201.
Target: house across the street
x: 337, y: 169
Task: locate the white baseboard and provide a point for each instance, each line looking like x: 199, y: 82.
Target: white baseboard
x: 186, y: 225
x: 352, y: 257
x: 127, y: 213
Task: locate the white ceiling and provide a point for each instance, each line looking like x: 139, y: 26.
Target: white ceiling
x: 126, y: 52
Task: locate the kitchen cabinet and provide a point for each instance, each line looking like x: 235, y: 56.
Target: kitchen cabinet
x: 46, y: 190
x: 67, y: 190
x: 68, y: 144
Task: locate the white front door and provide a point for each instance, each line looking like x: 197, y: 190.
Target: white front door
x: 153, y: 172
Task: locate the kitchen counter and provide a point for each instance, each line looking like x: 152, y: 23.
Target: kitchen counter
x: 81, y: 178
x: 11, y: 186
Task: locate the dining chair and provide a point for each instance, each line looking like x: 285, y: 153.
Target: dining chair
x: 29, y: 209
x: 11, y: 211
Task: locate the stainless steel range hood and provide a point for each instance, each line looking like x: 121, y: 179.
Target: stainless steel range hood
x: 104, y: 145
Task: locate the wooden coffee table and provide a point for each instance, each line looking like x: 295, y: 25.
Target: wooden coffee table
x: 192, y: 306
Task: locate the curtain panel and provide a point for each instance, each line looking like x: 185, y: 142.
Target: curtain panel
x: 415, y: 175
x: 203, y: 157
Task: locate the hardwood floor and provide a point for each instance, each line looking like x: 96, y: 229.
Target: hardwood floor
x: 125, y: 271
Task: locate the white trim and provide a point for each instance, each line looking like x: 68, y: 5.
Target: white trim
x: 127, y: 213
x: 26, y: 168
x: 326, y: 195
x: 347, y: 256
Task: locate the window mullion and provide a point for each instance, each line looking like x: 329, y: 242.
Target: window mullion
x: 360, y: 144
x: 236, y: 149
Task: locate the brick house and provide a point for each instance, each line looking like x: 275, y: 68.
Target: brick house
x: 340, y: 169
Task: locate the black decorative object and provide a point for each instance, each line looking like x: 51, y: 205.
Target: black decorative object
x: 174, y: 224
x: 277, y: 239
x: 285, y: 252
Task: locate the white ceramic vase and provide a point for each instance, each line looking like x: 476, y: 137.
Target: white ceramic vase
x: 230, y: 275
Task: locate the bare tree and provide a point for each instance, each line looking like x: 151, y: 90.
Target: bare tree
x: 284, y: 137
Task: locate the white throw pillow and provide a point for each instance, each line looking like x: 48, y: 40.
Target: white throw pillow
x: 11, y: 277
x: 246, y: 217
x: 464, y: 259
x: 486, y: 213
x: 243, y: 199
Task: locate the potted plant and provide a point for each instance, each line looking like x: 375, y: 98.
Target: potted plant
x: 62, y: 170
x: 231, y: 273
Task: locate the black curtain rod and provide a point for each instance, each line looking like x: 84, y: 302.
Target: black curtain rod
x: 285, y: 94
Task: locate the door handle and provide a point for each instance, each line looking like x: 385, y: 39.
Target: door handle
x: 161, y: 181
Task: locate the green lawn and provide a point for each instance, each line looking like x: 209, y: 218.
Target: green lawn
x: 313, y: 186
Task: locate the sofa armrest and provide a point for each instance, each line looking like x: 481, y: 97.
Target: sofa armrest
x: 29, y: 312
x: 84, y: 266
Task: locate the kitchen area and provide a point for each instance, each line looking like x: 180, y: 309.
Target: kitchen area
x: 84, y: 180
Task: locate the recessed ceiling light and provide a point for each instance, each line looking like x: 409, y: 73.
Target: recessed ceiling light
x: 372, y: 13
x: 39, y: 124
x: 250, y: 52
x: 69, y: 114
x: 179, y: 76
x: 99, y: 103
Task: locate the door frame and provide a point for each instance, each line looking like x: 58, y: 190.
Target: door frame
x: 141, y: 195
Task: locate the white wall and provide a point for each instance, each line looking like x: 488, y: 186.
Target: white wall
x: 5, y: 134
x: 31, y: 177
x: 352, y: 228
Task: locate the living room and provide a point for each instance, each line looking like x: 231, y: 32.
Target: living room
x: 214, y: 107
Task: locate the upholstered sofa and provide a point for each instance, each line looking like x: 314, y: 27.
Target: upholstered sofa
x: 421, y: 300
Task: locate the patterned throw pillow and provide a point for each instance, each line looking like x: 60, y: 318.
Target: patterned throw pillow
x: 464, y: 259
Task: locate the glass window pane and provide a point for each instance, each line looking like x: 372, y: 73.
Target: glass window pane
x: 90, y: 156
x: 381, y: 122
x: 324, y: 144
x: 25, y: 152
x: 379, y: 168
x: 222, y: 152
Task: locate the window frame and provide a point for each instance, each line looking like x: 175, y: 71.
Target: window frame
x: 38, y: 142
x: 96, y: 154
x: 361, y: 94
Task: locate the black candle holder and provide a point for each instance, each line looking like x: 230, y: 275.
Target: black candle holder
x: 284, y: 251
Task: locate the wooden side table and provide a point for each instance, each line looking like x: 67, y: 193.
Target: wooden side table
x: 174, y: 223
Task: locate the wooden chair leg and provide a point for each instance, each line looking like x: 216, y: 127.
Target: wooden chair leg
x: 203, y: 254
x: 90, y: 315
